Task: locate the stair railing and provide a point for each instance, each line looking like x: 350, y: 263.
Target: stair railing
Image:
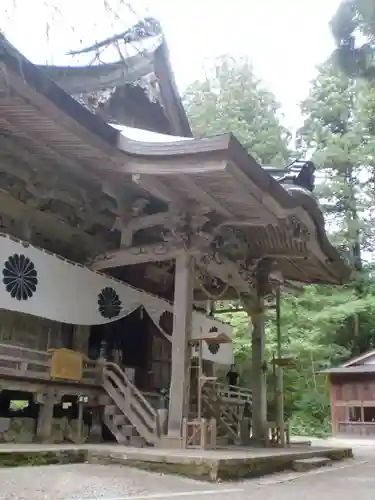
x: 131, y: 402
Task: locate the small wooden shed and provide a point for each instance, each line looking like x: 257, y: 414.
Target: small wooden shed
x: 353, y: 396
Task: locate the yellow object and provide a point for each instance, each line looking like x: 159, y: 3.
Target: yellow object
x: 66, y: 364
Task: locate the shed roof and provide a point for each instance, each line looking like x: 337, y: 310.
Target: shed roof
x: 354, y: 365
x: 359, y: 360
x: 341, y: 370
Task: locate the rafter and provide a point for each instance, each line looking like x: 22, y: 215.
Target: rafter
x: 248, y: 188
x: 43, y: 152
x: 205, y: 198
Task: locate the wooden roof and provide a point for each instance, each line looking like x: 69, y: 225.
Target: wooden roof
x: 79, y: 182
x: 138, y: 90
x: 360, y: 369
x: 364, y: 363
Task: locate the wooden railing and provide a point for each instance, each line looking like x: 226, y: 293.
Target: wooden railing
x: 199, y: 434
x: 217, y: 406
x: 16, y: 361
x: 233, y: 393
x: 131, y: 402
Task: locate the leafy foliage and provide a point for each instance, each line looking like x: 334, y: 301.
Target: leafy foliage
x: 232, y: 99
x: 353, y: 18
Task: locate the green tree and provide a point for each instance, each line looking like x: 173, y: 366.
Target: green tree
x: 338, y: 130
x: 308, y: 327
x: 317, y: 326
x: 232, y: 99
x: 334, y: 134
x: 354, y: 22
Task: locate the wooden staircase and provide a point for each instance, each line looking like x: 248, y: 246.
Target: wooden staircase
x: 129, y: 416
x: 225, y: 404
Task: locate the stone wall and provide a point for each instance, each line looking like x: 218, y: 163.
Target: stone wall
x: 22, y: 430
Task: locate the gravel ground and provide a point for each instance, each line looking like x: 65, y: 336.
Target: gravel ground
x: 343, y: 481
x: 84, y: 481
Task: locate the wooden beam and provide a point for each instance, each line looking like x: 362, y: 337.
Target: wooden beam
x: 228, y: 310
x: 156, y: 252
x: 47, y: 223
x: 228, y: 272
x: 131, y: 226
x: 23, y: 163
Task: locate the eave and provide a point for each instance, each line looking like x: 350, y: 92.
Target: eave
x: 218, y: 173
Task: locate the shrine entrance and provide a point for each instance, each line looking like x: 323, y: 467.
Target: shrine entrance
x: 137, y: 345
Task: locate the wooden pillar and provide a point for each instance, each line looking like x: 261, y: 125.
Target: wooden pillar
x: 259, y: 386
x: 279, y: 374
x: 182, y: 320
x: 47, y: 401
x: 334, y: 410
x: 81, y: 339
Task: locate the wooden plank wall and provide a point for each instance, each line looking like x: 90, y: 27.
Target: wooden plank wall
x: 350, y: 392
x: 346, y: 390
x: 30, y: 331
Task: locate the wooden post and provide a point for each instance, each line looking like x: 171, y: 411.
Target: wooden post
x: 80, y: 418
x: 182, y: 320
x: 279, y: 375
x: 95, y: 435
x: 259, y: 404
x: 45, y: 417
x: 200, y: 377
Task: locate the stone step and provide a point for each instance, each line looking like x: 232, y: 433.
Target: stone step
x: 137, y: 442
x: 306, y: 464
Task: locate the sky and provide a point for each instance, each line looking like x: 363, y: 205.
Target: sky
x: 285, y: 39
